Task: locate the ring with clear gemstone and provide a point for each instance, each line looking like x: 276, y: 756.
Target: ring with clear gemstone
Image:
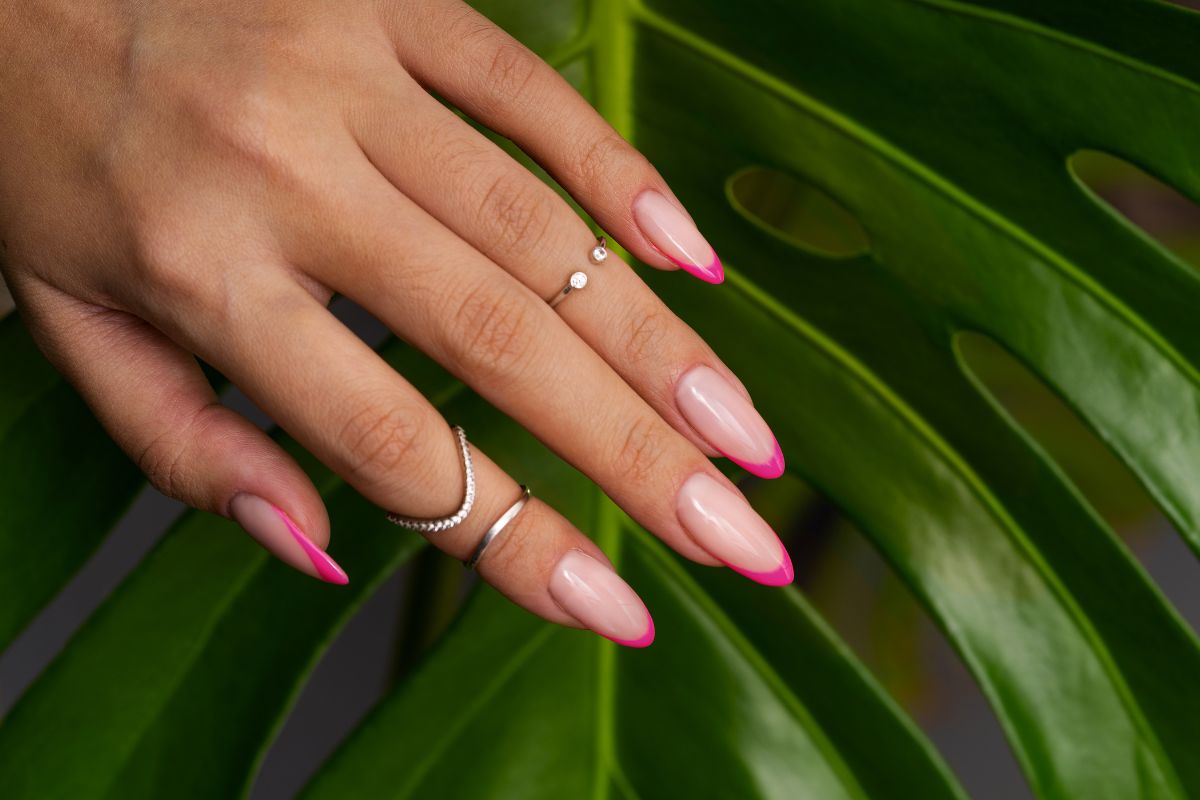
x: 579, y: 279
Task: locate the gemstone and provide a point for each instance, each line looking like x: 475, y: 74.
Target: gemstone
x: 579, y: 280
x: 599, y: 253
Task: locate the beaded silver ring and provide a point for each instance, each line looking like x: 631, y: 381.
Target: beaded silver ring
x: 446, y: 523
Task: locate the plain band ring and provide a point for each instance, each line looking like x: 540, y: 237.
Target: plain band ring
x: 578, y: 280
x: 446, y: 523
x: 499, y: 525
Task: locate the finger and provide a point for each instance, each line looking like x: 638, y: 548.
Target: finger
x: 500, y: 208
x: 440, y: 293
x: 502, y: 84
x: 340, y: 400
x: 155, y: 402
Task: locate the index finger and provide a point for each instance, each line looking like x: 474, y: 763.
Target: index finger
x: 502, y: 84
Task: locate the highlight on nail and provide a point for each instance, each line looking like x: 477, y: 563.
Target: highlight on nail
x: 726, y: 420
x: 598, y: 598
x: 676, y: 237
x: 725, y: 526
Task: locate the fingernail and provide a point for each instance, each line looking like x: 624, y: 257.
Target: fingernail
x: 276, y: 531
x: 676, y: 237
x: 596, y: 596
x: 727, y: 527
x: 727, y: 421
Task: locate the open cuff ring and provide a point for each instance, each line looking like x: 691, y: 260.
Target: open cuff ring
x: 498, y: 526
x: 579, y: 279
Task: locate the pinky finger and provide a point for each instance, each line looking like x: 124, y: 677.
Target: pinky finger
x: 153, y: 399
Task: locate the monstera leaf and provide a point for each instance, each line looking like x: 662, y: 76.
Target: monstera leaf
x: 946, y: 130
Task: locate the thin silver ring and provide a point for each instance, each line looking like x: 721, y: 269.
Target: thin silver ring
x: 446, y: 523
x: 497, y: 526
x: 579, y: 279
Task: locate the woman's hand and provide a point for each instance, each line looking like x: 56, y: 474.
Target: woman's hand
x: 197, y: 178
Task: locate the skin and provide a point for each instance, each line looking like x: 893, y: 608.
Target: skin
x: 197, y: 178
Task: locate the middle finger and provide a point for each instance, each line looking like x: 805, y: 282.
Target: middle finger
x: 492, y: 202
x: 441, y: 294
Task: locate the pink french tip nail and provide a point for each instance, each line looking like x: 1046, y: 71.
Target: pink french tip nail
x: 713, y: 272
x: 724, y: 525
x: 780, y: 576
x: 274, y: 529
x: 645, y: 640
x: 676, y: 236
x: 772, y: 468
x: 597, y: 597
x: 726, y: 420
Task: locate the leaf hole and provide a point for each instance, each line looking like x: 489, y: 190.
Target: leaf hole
x: 874, y: 612
x: 797, y: 212
x: 1107, y: 484
x: 1158, y: 210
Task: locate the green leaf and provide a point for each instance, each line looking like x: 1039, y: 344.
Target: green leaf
x: 974, y: 227
x: 178, y: 683
x: 63, y: 482
x: 744, y: 694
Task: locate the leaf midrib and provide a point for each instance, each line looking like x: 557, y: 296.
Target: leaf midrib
x: 718, y: 616
x: 616, y: 104
x: 1015, y: 232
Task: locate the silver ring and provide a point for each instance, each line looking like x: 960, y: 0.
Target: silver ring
x: 578, y: 280
x: 446, y: 523
x: 498, y: 526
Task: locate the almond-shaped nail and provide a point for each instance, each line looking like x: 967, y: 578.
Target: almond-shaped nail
x: 282, y: 537
x: 724, y: 417
x: 676, y: 236
x: 724, y: 524
x: 596, y: 596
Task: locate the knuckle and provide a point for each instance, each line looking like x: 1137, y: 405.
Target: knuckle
x: 511, y: 69
x: 645, y: 334
x: 641, y: 450
x: 237, y: 116
x: 164, y: 460
x: 516, y: 214
x: 455, y: 154
x: 248, y: 123
x: 164, y: 262
x: 378, y: 441
x: 172, y: 274
x: 494, y: 327
x: 602, y: 159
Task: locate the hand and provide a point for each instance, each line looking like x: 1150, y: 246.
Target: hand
x: 197, y: 178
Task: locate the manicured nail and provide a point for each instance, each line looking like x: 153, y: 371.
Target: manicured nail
x: 676, y: 237
x: 596, y: 596
x: 727, y: 421
x: 727, y: 527
x: 276, y: 531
